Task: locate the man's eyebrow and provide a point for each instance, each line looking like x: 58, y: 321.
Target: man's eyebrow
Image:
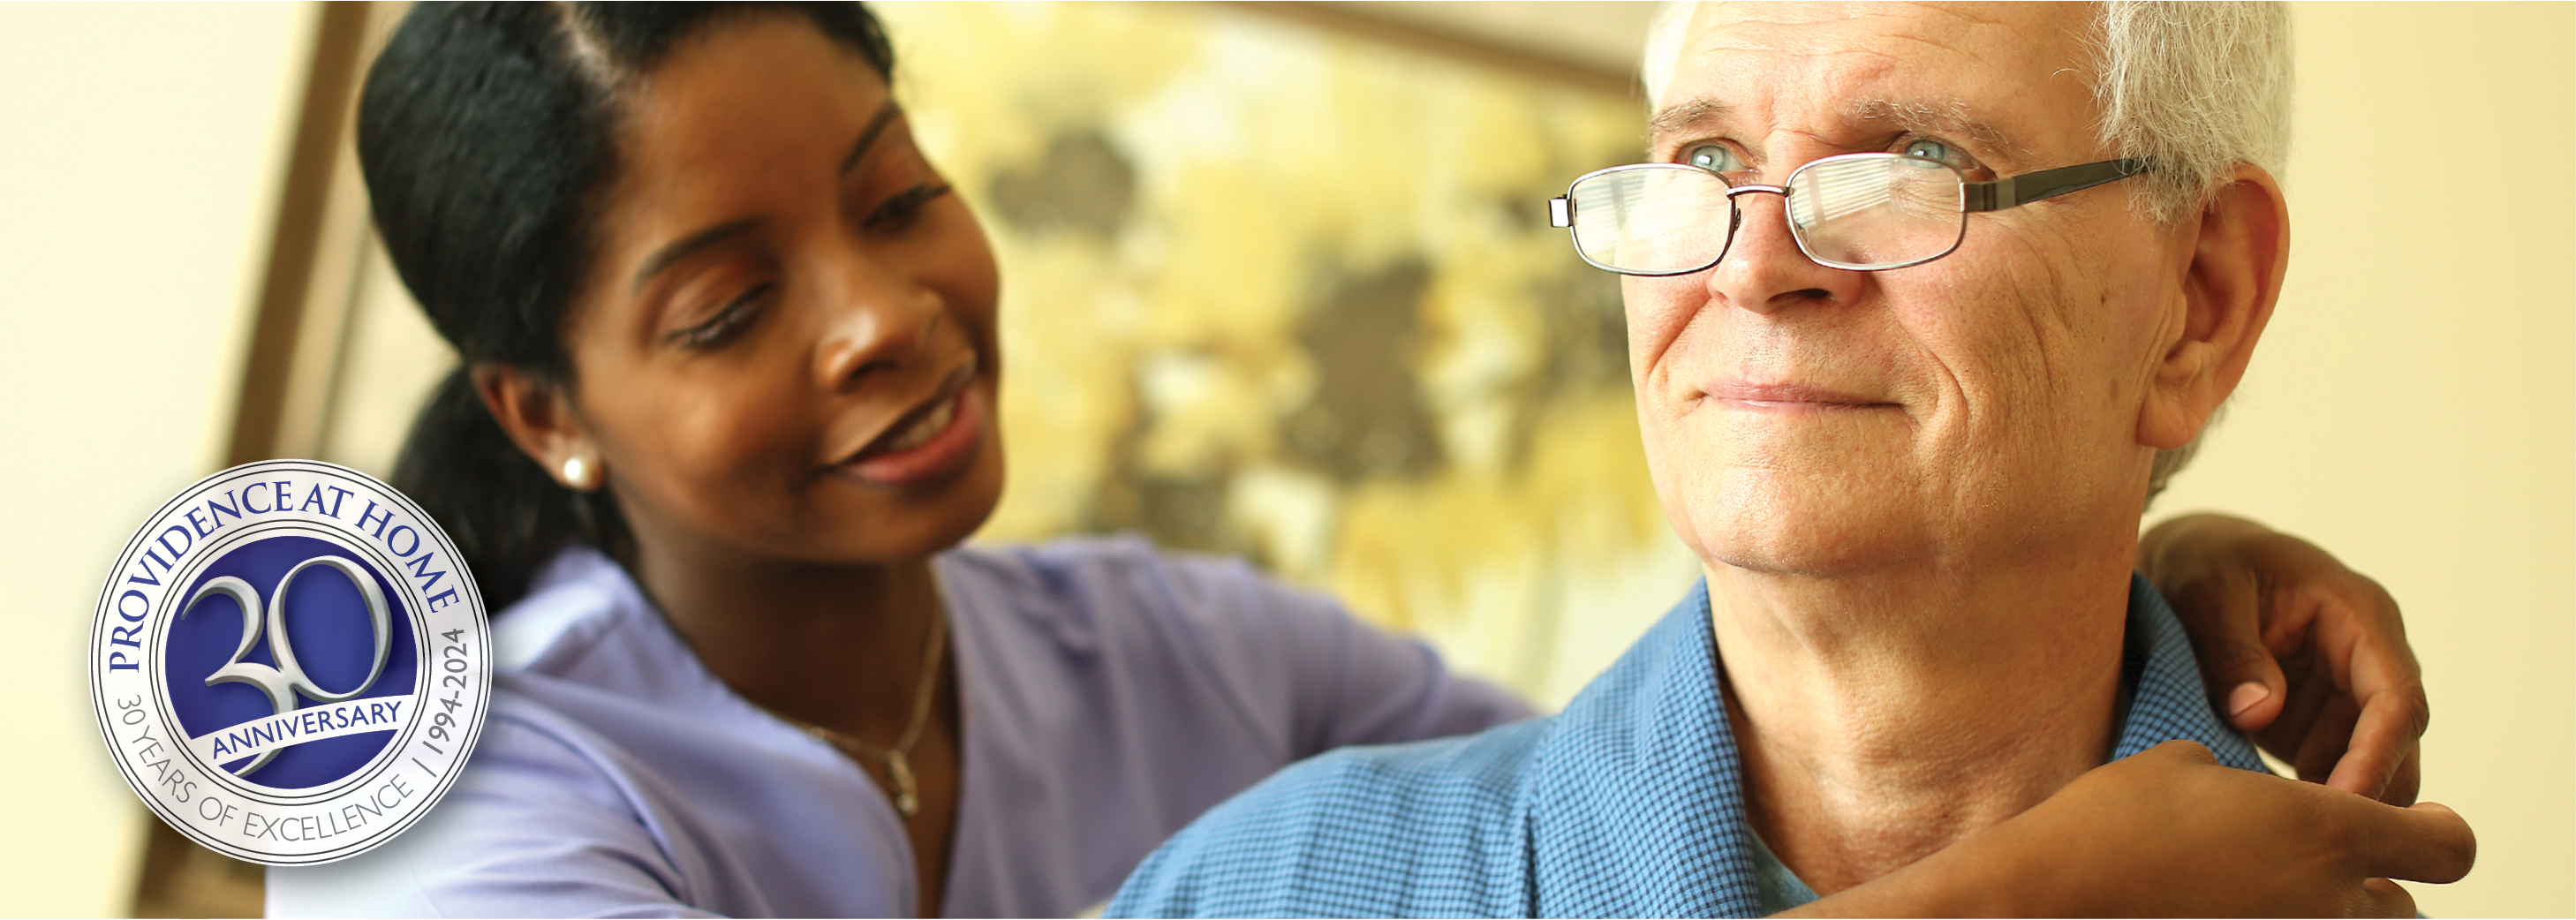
x: 1947, y: 120
x: 876, y: 126
x: 673, y: 253
x: 1684, y: 116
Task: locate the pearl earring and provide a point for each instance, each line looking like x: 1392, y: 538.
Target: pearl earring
x: 579, y: 474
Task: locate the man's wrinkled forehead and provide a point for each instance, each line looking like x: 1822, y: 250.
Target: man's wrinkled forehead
x: 2005, y: 78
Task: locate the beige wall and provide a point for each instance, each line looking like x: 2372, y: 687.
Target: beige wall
x: 139, y: 151
x: 2413, y: 405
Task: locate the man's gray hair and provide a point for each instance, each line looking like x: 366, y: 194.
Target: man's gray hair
x: 2200, y: 87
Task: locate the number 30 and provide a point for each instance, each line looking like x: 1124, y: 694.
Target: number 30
x: 281, y: 683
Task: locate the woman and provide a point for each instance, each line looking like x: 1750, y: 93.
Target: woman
x: 725, y: 415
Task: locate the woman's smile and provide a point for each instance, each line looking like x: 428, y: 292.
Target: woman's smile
x: 928, y: 444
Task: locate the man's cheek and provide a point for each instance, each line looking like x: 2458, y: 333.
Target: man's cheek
x: 1658, y: 310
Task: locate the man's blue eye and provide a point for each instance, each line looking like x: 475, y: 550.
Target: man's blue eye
x: 1713, y: 158
x: 1929, y: 150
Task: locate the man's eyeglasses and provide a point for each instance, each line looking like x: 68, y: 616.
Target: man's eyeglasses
x: 1858, y: 211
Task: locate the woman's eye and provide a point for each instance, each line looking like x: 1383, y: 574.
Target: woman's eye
x: 1930, y: 150
x: 727, y: 322
x: 1713, y: 157
x: 899, y: 211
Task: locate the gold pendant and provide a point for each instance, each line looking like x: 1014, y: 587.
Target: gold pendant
x: 906, y: 801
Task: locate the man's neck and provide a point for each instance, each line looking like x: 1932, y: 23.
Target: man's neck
x: 1883, y: 717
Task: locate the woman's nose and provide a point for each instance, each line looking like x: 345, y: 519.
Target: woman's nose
x: 876, y: 320
x: 1764, y: 270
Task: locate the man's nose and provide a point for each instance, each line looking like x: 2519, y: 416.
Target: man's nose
x: 875, y: 320
x: 1764, y: 270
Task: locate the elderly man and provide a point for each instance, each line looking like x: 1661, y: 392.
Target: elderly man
x: 1923, y: 304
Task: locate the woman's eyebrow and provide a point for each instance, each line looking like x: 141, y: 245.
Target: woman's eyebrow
x: 673, y: 253
x: 876, y: 126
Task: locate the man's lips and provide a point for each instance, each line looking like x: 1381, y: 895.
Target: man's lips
x: 1788, y: 397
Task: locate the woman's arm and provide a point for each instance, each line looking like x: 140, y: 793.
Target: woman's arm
x: 2306, y: 656
x: 1327, y: 679
x: 531, y: 829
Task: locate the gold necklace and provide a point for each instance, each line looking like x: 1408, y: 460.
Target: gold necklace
x: 898, y: 759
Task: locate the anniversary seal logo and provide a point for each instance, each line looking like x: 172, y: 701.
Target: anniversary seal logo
x: 289, y: 663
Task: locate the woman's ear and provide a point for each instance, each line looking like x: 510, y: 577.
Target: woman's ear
x: 539, y: 417
x: 2241, y: 248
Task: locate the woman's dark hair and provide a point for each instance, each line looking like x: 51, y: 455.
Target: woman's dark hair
x: 486, y: 132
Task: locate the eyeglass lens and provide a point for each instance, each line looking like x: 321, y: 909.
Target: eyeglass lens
x: 1862, y: 211
x: 1651, y: 220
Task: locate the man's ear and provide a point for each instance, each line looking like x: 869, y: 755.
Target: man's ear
x: 2241, y: 250
x: 539, y: 417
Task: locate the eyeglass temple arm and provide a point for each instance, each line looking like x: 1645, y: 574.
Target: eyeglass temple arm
x: 2013, y: 191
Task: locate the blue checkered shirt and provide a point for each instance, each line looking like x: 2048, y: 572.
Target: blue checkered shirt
x: 1630, y: 803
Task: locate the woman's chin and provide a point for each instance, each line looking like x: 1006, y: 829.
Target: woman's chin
x: 872, y: 526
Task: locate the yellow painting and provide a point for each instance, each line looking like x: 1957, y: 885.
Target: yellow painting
x: 1288, y: 293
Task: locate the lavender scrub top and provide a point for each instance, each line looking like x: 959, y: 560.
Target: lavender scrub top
x: 1111, y: 694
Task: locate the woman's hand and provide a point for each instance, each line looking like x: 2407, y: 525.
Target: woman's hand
x: 2306, y: 656
x: 2170, y: 832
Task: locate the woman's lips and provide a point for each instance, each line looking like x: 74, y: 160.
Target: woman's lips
x: 939, y: 442
x: 1782, y: 397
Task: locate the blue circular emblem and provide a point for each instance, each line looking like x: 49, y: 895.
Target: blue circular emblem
x: 290, y: 663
